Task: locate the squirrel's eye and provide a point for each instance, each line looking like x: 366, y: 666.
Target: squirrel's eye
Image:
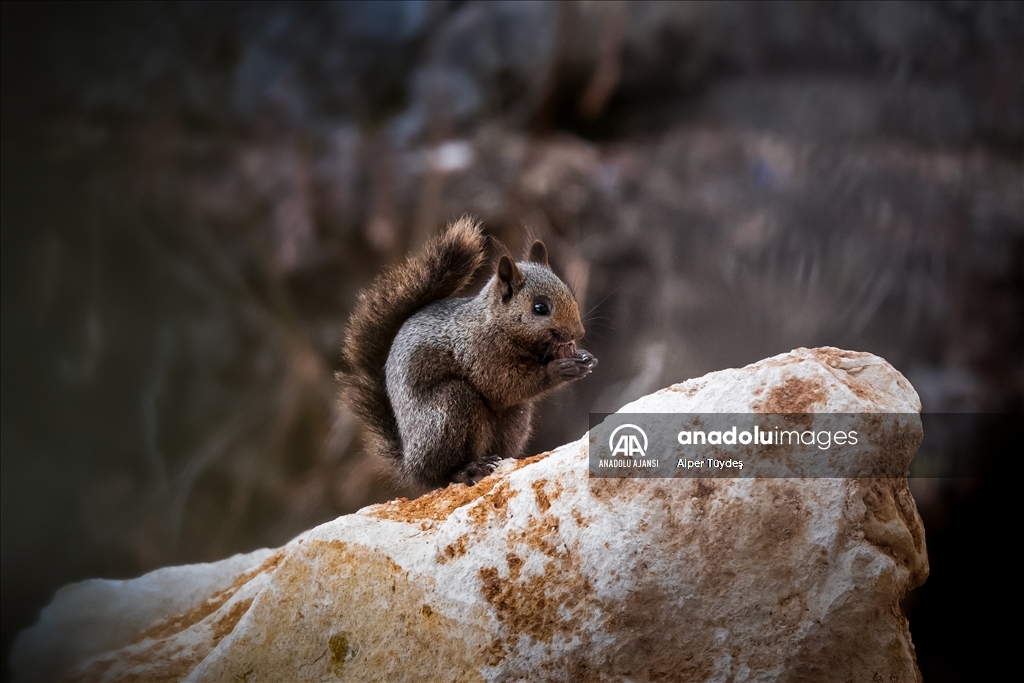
x: 541, y: 308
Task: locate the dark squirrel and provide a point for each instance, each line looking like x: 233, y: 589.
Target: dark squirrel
x: 446, y: 386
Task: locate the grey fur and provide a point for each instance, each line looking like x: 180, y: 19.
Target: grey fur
x: 445, y: 387
x: 463, y: 375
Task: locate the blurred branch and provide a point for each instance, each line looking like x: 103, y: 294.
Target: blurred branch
x: 243, y: 420
x: 547, y: 93
x: 608, y: 69
x: 150, y: 413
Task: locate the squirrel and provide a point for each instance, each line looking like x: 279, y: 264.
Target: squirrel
x: 447, y: 386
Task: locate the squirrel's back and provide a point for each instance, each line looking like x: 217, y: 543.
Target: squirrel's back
x: 442, y: 268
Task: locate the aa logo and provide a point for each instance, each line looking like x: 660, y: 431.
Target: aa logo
x: 628, y: 442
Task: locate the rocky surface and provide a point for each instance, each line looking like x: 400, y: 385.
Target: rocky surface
x: 539, y: 573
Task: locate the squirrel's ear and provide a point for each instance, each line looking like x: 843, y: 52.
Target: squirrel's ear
x: 510, y: 278
x: 538, y: 253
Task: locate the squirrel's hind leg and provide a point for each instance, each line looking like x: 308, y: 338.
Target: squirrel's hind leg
x: 514, y: 430
x: 451, y: 439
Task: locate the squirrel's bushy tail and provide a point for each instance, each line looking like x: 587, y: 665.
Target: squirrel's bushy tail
x: 443, y: 267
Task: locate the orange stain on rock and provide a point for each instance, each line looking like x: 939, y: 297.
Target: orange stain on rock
x: 795, y: 395
x: 177, y: 623
x: 437, y: 506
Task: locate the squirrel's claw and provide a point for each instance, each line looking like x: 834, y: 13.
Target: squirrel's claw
x: 476, y: 470
x: 579, y: 366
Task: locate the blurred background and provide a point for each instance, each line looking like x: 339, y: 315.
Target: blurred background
x: 193, y: 193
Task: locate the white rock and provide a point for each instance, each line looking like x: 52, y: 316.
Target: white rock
x: 95, y: 616
x: 541, y: 573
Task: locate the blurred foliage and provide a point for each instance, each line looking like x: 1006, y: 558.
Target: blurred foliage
x: 192, y: 194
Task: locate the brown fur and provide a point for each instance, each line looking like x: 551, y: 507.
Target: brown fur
x: 446, y: 386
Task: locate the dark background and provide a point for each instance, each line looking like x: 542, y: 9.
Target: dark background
x: 193, y: 193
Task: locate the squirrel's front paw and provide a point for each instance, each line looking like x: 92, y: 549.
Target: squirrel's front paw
x: 476, y: 470
x: 581, y: 364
